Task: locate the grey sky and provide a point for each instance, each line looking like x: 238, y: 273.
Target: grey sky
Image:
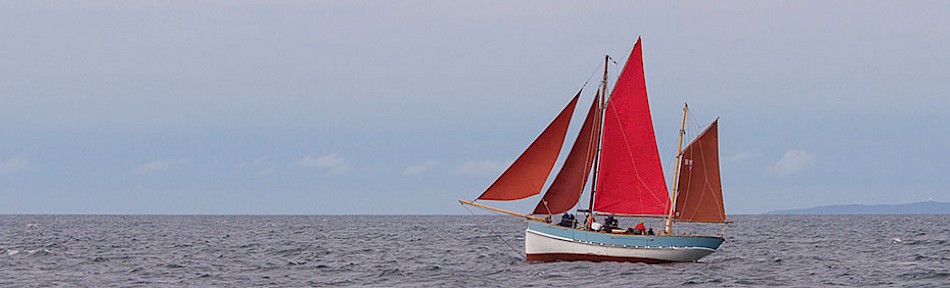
x: 405, y: 106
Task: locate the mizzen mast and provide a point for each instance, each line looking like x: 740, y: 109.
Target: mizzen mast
x: 676, y: 170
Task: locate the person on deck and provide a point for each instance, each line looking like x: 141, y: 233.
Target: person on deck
x: 594, y: 226
x: 640, y: 228
x: 650, y: 232
x: 611, y: 223
x: 567, y: 220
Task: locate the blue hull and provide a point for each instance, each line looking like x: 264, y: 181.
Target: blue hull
x: 546, y: 242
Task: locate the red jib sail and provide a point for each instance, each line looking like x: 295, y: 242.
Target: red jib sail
x: 527, y: 174
x: 630, y: 179
x: 569, y: 183
x: 700, y: 189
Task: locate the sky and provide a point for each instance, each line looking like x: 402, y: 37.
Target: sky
x: 404, y: 107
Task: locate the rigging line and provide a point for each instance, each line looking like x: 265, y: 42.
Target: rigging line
x: 694, y: 126
x: 616, y: 66
x: 499, y: 237
x: 619, y: 70
x: 592, y: 73
x: 611, y: 58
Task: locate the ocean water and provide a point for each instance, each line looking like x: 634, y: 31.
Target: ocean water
x: 451, y: 251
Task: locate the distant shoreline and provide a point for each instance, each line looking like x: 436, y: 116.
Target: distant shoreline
x: 917, y: 208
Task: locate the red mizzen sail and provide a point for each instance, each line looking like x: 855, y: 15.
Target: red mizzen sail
x: 569, y: 183
x: 700, y: 189
x: 630, y: 179
x: 527, y: 174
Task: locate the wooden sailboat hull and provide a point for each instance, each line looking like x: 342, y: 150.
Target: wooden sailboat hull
x: 548, y: 243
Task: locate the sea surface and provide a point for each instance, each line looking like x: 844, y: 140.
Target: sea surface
x: 451, y: 251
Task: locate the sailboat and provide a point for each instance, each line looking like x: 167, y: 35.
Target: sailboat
x: 616, y: 151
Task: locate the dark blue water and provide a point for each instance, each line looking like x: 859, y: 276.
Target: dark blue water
x: 429, y: 251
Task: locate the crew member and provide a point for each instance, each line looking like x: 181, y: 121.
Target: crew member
x: 640, y: 228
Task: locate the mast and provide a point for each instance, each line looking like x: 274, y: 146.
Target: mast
x: 604, y: 83
x: 676, y: 170
x: 600, y: 132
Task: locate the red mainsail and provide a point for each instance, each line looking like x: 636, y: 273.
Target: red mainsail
x: 569, y: 183
x: 527, y: 174
x: 630, y: 179
x: 700, y: 189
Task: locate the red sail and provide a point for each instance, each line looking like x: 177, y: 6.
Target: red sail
x: 700, y: 189
x: 569, y: 183
x: 630, y: 179
x: 527, y: 174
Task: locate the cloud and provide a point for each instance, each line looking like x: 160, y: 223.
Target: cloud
x: 261, y: 165
x: 267, y: 171
x: 157, y: 166
x: 332, y: 163
x: 795, y: 161
x: 13, y: 165
x: 481, y: 168
x: 742, y: 156
x: 420, y: 168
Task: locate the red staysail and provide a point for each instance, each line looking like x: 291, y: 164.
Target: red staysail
x: 527, y: 174
x: 630, y: 179
x: 569, y: 183
x: 700, y: 189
